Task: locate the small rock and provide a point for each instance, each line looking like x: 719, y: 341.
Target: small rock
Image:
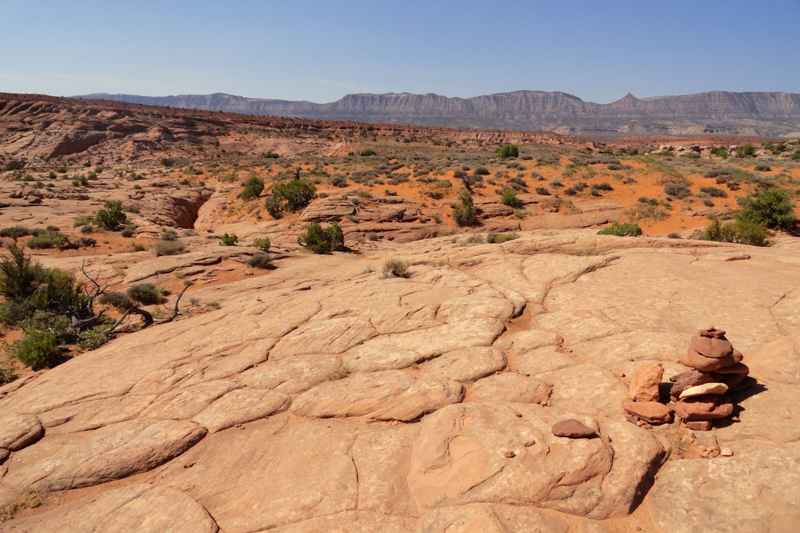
x: 726, y: 452
x: 573, y: 429
x: 645, y: 381
x: 649, y: 412
x: 703, y: 408
x: 705, y: 388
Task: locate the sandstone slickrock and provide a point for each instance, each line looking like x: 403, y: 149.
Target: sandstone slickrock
x: 387, y: 395
x: 321, y: 397
x: 111, y: 452
x: 18, y: 431
x: 135, y: 508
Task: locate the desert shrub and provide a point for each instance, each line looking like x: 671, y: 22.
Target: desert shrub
x: 252, y: 188
x: 263, y: 244
x: 7, y: 375
x: 118, y: 300
x: 145, y: 294
x: 603, y: 187
x: 168, y: 162
x: 714, y: 192
x: 720, y: 151
x: 291, y: 195
x: 14, y: 164
x: 745, y: 150
x: 322, y: 240
x: 48, y: 239
x: 509, y: 198
x: 676, y: 189
x: 169, y: 235
x: 396, y: 268
x: 93, y: 338
x: 770, y: 207
x: 738, y: 231
x: 542, y: 191
x: 367, y: 153
x: 339, y: 181
x: 83, y: 220
x: 621, y: 230
x: 127, y: 232
x: 15, y: 232
x: 163, y: 247
x: 481, y: 171
x: 499, y: 238
x: 260, y: 260
x: 37, y: 349
x: 111, y: 217
x: 228, y: 239
x: 796, y: 156
x: 507, y: 151
x: 761, y: 167
x: 28, y: 287
x: 274, y: 207
x: 464, y: 212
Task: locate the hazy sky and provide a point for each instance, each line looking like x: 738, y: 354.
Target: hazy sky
x: 321, y: 50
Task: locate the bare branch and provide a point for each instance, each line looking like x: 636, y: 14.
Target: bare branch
x: 176, y: 310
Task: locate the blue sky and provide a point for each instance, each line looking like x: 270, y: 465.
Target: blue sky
x: 322, y: 50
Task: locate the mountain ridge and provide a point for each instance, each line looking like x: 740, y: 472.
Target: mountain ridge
x: 766, y: 113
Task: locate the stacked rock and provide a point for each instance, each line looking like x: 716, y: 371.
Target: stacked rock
x: 701, y: 394
x: 644, y: 408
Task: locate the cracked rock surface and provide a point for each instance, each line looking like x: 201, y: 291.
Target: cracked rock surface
x: 323, y: 397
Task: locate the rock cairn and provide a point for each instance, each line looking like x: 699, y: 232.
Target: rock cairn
x: 701, y: 394
x: 699, y: 397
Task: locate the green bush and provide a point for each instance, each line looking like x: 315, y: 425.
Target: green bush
x: 507, y: 151
x: 509, y: 198
x: 464, y: 212
x: 111, y: 217
x: 38, y: 349
x: 252, y: 188
x: 621, y: 230
x: 146, y: 294
x: 263, y: 244
x: 93, y: 338
x: 322, y: 240
x: 720, y: 151
x: 118, y: 300
x: 28, y: 287
x: 48, y: 239
x: 7, y: 375
x: 229, y: 239
x: 738, y: 231
x: 396, y: 268
x: 770, y: 207
x: 796, y: 156
x: 746, y: 150
x: 291, y: 195
x: 15, y: 232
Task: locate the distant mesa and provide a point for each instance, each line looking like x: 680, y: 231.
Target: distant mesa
x: 716, y: 112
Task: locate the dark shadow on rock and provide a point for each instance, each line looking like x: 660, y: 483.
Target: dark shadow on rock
x: 647, y: 481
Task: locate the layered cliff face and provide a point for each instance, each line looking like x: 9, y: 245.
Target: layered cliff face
x: 760, y: 113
